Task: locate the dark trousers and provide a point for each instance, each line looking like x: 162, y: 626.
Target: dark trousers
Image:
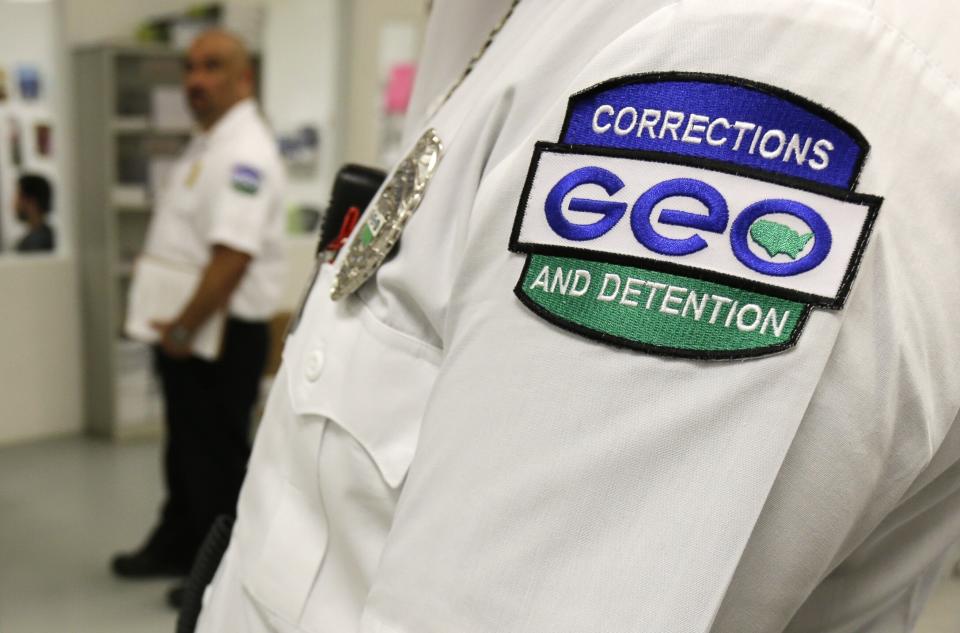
x: 208, y: 407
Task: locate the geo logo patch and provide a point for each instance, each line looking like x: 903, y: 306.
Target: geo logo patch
x: 245, y: 179
x: 692, y: 215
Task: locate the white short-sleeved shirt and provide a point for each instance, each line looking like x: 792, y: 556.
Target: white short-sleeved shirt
x: 555, y: 475
x: 227, y: 188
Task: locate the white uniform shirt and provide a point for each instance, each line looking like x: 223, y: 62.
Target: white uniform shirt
x: 227, y: 189
x: 560, y: 484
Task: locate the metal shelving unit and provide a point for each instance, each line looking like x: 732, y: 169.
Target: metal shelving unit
x: 118, y: 135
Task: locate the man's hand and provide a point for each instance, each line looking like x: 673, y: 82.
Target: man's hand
x: 220, y: 278
x: 172, y: 346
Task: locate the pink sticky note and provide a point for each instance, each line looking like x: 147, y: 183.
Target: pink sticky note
x: 399, y: 87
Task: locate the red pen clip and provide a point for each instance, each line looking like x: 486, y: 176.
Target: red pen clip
x: 346, y: 228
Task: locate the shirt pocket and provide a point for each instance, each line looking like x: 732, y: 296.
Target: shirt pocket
x: 373, y: 381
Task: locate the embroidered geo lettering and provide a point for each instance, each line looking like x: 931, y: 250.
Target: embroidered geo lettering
x: 714, y: 221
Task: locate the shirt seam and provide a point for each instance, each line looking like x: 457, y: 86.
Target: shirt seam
x: 929, y: 62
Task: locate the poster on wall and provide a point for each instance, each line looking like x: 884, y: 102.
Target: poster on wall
x: 29, y: 82
x: 43, y: 140
x: 300, y: 149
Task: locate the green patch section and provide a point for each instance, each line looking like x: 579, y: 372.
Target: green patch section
x: 245, y: 187
x: 776, y: 238
x: 647, y: 308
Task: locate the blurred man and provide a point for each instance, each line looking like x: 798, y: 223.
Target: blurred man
x: 33, y: 203
x: 221, y: 215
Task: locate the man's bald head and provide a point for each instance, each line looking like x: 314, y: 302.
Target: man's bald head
x: 218, y: 74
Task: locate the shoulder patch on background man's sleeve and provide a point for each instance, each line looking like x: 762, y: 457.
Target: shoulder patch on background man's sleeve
x: 245, y: 179
x: 692, y: 215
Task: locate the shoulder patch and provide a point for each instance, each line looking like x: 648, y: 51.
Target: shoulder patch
x: 245, y: 179
x: 692, y: 215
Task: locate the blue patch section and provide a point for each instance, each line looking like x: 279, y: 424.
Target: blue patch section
x: 246, y: 174
x: 729, y: 122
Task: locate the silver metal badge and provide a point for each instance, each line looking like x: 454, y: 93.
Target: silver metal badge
x: 388, y: 214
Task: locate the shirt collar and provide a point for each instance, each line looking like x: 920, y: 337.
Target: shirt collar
x: 239, y: 112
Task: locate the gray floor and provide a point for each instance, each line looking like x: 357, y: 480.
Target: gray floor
x: 66, y: 505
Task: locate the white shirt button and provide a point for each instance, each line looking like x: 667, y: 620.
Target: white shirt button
x: 314, y: 365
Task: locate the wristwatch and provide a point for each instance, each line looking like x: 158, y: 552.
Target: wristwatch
x: 180, y: 335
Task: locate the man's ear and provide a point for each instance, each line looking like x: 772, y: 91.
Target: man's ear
x: 247, y: 76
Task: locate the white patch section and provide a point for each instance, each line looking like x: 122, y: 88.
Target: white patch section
x: 845, y: 219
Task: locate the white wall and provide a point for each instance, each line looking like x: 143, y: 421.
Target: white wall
x: 40, y: 381
x: 40, y: 345
x: 300, y: 81
x: 362, y: 91
x: 300, y: 86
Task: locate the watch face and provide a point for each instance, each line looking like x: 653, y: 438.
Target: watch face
x: 388, y: 214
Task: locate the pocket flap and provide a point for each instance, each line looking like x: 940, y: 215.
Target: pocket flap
x: 371, y: 380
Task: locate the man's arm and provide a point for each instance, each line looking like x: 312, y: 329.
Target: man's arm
x: 559, y: 484
x: 220, y: 278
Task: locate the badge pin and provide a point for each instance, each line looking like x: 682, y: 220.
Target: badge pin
x: 388, y: 215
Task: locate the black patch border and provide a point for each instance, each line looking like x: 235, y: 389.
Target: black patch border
x: 812, y: 107
x: 872, y: 203
x: 675, y: 352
